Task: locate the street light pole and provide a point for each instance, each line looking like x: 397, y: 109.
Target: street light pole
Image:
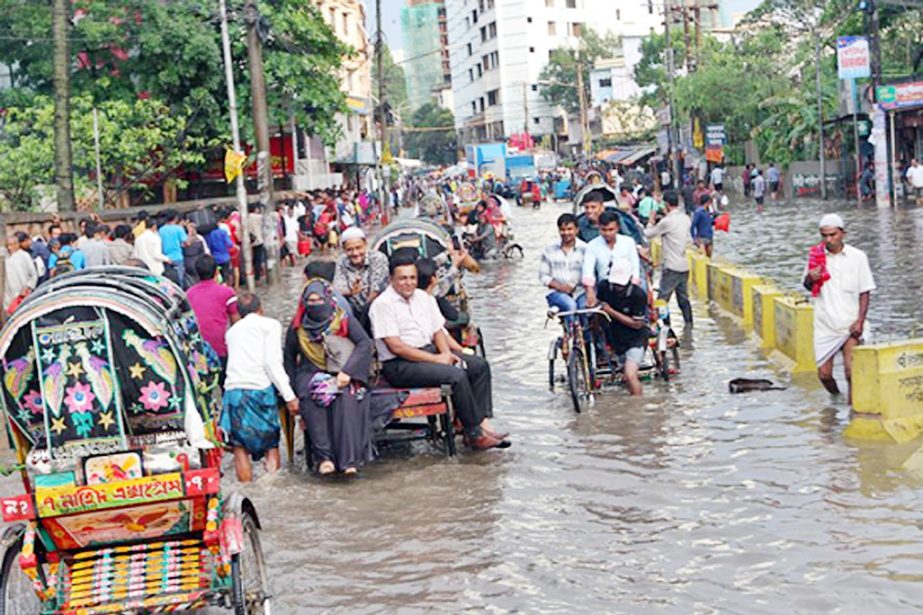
x: 584, y: 118
x: 668, y: 61
x: 247, y: 256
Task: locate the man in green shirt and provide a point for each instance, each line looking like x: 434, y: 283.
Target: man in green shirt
x: 650, y: 207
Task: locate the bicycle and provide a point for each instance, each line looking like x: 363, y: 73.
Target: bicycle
x: 579, y: 357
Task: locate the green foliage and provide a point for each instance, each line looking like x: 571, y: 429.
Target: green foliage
x: 394, y: 84
x: 651, y: 70
x: 171, y: 51
x: 559, y: 77
x: 438, y: 146
x: 141, y: 141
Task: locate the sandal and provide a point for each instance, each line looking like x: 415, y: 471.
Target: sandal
x: 350, y: 472
x: 326, y: 467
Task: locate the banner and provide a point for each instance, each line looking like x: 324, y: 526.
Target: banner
x: 233, y: 164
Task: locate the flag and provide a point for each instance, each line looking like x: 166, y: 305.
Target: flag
x: 233, y: 164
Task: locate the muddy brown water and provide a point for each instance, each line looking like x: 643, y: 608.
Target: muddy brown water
x: 689, y: 500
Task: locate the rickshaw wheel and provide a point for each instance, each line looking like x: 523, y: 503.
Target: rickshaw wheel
x: 18, y: 596
x: 250, y: 582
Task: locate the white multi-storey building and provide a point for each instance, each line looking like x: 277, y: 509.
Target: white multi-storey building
x: 498, y: 49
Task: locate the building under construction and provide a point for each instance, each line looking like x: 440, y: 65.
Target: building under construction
x: 426, y: 49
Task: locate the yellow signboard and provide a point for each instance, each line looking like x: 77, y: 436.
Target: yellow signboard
x: 69, y: 499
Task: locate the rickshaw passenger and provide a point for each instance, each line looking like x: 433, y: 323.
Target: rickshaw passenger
x: 428, y: 282
x: 603, y: 251
x: 415, y: 352
x: 325, y: 347
x: 361, y: 275
x: 588, y: 221
x: 561, y: 268
x: 484, y: 239
x: 250, y: 418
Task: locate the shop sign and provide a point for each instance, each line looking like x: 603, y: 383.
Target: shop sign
x: 900, y: 95
x: 715, y: 135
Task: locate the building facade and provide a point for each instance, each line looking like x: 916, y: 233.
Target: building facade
x: 498, y: 49
x: 347, y: 19
x: 426, y: 49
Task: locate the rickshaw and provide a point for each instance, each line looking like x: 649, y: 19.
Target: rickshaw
x: 662, y: 354
x: 111, y: 399
x: 430, y: 240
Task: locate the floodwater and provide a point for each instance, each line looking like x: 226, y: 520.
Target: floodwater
x: 689, y: 500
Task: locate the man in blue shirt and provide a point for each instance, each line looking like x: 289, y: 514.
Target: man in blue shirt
x: 173, y: 237
x: 773, y: 177
x: 219, y: 243
x: 703, y: 230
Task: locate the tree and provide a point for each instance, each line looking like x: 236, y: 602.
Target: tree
x: 141, y: 142
x: 64, y: 175
x: 560, y: 74
x: 394, y: 85
x: 431, y: 136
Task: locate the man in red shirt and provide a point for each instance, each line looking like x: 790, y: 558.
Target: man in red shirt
x: 215, y: 306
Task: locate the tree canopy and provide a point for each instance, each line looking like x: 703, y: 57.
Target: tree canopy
x: 559, y: 77
x: 168, y: 54
x: 431, y: 136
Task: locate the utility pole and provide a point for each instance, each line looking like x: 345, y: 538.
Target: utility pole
x: 584, y: 118
x: 247, y: 255
x: 690, y: 67
x: 668, y: 61
x: 261, y: 130
x: 525, y: 107
x: 382, y: 117
x: 822, y: 156
x: 63, y: 162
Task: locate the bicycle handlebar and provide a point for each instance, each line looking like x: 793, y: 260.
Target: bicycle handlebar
x: 594, y: 310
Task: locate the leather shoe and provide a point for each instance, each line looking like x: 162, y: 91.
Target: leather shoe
x: 484, y: 442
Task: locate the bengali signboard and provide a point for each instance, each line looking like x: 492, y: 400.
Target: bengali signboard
x: 65, y: 500
x: 715, y: 140
x: 900, y: 95
x: 852, y: 57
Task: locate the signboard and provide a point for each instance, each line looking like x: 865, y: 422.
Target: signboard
x: 852, y: 57
x: 715, y: 135
x: 698, y: 139
x: 900, y: 95
x: 56, y: 501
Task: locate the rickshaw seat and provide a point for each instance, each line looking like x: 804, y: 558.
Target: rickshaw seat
x: 430, y: 401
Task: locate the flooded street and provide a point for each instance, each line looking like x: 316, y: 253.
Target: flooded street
x: 687, y: 501
x: 690, y: 500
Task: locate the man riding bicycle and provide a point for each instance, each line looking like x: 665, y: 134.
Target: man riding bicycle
x: 561, y: 267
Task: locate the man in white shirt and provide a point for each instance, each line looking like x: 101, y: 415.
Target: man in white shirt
x: 250, y: 418
x: 914, y: 178
x: 717, y: 178
x: 414, y: 349
x: 149, y: 249
x: 21, y: 276
x: 842, y: 304
x: 603, y: 251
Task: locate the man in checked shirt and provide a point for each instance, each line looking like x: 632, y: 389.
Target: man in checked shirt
x: 561, y: 267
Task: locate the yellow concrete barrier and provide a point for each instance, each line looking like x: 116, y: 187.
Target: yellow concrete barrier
x: 731, y: 287
x: 794, y: 330
x: 763, y: 310
x: 698, y: 273
x: 656, y: 251
x: 887, y: 394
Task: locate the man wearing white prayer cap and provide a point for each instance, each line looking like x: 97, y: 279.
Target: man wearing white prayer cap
x: 360, y: 275
x: 841, y: 302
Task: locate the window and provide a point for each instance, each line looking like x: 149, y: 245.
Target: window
x: 492, y: 97
x: 481, y: 103
x: 481, y: 5
x: 531, y: 49
x: 576, y: 29
x: 605, y: 83
x: 535, y: 87
x: 480, y: 70
x: 536, y: 120
x: 467, y: 23
x: 484, y: 34
x: 528, y: 20
x: 474, y: 107
x: 549, y: 3
x: 490, y: 4
x: 346, y: 24
x: 552, y: 28
x: 571, y: 4
x: 474, y: 16
x: 485, y: 62
x: 470, y: 50
x: 470, y: 74
x: 492, y: 28
x: 333, y: 18
x: 650, y: 7
x: 618, y: 14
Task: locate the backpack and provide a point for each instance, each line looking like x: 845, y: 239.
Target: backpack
x: 63, y: 265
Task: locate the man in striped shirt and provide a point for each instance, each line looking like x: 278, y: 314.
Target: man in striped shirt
x: 562, y: 266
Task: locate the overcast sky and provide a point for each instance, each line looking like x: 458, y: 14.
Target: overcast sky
x: 391, y: 16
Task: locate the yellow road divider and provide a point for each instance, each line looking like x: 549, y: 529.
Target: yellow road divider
x: 698, y: 272
x: 656, y: 251
x: 793, y: 324
x: 763, y: 309
x: 888, y: 391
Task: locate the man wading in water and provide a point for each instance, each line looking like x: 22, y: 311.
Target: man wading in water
x: 841, y: 281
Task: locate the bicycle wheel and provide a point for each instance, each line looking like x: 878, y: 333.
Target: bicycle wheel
x: 581, y: 391
x: 249, y: 577
x: 17, y: 597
